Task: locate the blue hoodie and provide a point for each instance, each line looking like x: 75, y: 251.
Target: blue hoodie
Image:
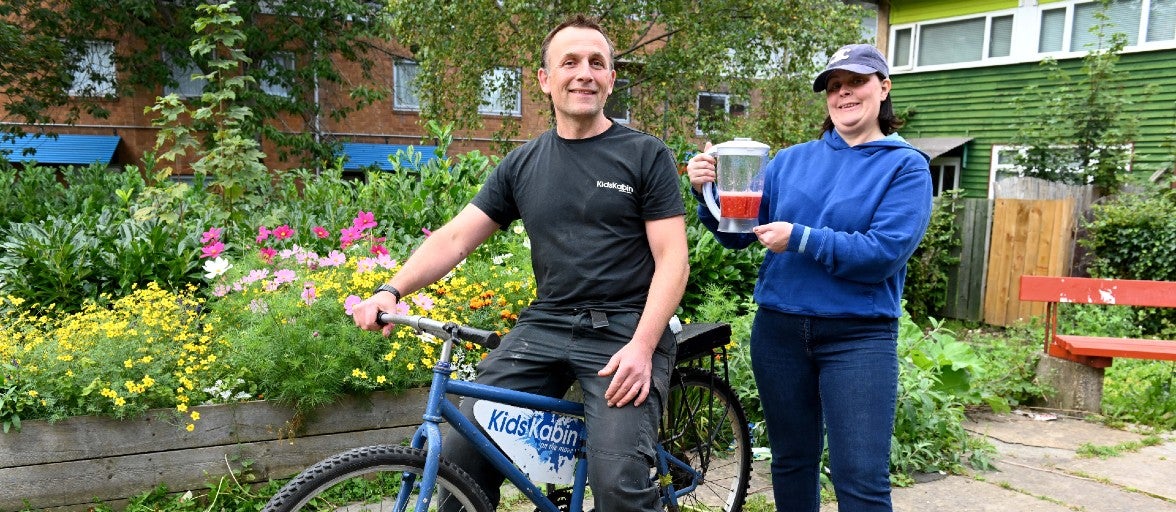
x: 858, y: 214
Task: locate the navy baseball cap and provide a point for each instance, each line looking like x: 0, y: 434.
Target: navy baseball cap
x: 862, y: 59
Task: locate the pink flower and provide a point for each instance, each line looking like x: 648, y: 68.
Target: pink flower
x: 263, y: 233
x: 283, y: 232
x: 212, y: 250
x: 364, y: 220
x: 321, y: 232
x: 212, y: 235
x: 268, y: 253
x: 379, y: 250
x: 348, y: 236
x: 424, y: 302
x: 349, y: 304
x: 309, y: 294
x: 426, y: 232
x: 284, y: 276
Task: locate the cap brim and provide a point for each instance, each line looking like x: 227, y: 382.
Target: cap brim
x: 821, y: 81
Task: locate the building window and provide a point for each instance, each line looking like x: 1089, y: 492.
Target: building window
x: 277, y: 68
x: 1161, y: 21
x: 1005, y: 162
x: 404, y: 76
x: 954, y: 42
x: 1068, y: 28
x: 1123, y: 16
x: 94, y: 73
x: 714, y: 107
x: 188, y: 77
x: 500, y: 93
x: 902, y: 47
x: 945, y: 174
x: 617, y: 106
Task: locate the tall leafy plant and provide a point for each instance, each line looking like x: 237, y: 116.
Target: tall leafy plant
x: 232, y: 162
x: 1079, y: 129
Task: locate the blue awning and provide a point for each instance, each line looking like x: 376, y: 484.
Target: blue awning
x: 358, y: 155
x: 68, y: 149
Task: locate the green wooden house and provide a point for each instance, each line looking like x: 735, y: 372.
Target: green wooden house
x: 958, y: 66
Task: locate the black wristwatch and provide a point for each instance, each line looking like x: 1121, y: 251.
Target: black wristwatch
x: 388, y: 288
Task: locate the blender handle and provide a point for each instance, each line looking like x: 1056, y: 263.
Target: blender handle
x: 708, y: 197
x: 708, y: 189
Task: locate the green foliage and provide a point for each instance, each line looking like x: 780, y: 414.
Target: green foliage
x: 1142, y: 392
x: 1009, y: 357
x: 336, y: 45
x: 1079, y: 131
x: 719, y: 305
x: 1131, y: 236
x: 936, y: 371
x: 662, y: 48
x: 232, y: 159
x: 925, y: 291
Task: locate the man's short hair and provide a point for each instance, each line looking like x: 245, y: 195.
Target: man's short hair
x: 577, y: 21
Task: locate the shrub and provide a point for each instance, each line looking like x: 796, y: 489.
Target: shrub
x: 1131, y: 236
x: 925, y: 291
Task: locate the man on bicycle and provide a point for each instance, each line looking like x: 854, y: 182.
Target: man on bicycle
x: 601, y: 205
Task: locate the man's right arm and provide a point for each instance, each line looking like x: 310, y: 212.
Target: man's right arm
x: 440, y: 252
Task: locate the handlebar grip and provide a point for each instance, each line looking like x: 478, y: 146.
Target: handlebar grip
x: 488, y: 339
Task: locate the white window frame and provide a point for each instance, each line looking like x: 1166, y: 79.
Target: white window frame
x: 620, y: 84
x: 937, y: 166
x: 278, y: 61
x: 727, y: 102
x: 95, y: 75
x: 493, y: 104
x: 916, y: 38
x: 188, y: 86
x: 404, y: 90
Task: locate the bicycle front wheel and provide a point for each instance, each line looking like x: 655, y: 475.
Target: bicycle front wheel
x: 705, y: 427
x: 375, y: 478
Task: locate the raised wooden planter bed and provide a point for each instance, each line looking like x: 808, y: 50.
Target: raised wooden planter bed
x: 69, y: 464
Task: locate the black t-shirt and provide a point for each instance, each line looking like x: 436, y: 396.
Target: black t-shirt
x: 584, y: 204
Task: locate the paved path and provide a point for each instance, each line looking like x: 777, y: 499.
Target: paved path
x: 1038, y: 470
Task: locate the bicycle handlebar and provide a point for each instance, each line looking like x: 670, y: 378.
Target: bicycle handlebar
x: 488, y: 339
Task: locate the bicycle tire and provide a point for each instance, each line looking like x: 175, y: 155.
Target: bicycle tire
x: 705, y: 426
x: 367, y: 478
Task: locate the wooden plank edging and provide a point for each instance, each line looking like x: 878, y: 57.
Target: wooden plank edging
x: 72, y: 462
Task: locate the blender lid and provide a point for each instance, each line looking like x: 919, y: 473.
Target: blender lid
x: 741, y: 146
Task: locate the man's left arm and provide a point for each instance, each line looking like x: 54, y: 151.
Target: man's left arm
x: 632, y: 366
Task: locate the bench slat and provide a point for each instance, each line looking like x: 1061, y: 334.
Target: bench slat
x: 1086, y: 290
x: 1118, y: 347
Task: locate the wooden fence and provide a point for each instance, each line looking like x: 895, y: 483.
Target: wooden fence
x: 1029, y: 228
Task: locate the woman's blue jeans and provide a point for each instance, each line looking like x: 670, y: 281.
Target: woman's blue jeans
x: 833, y: 377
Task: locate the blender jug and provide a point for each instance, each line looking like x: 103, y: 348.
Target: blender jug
x: 739, y: 170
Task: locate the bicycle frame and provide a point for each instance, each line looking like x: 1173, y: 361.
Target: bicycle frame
x: 439, y: 408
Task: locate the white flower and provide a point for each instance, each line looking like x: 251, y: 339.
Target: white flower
x: 501, y: 258
x: 216, y: 267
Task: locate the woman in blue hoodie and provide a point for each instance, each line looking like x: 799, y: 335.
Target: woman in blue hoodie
x: 840, y: 217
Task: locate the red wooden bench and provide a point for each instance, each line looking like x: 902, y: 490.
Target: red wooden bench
x: 1096, y: 351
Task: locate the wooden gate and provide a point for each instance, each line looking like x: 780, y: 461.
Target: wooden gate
x: 1029, y: 237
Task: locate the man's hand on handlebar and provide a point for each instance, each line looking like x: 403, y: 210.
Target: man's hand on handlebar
x: 364, y: 313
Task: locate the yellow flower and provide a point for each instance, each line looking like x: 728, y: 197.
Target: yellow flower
x: 195, y: 415
x: 33, y: 393
x: 380, y: 379
x: 190, y: 427
x: 182, y: 407
x: 120, y: 401
x: 128, y: 363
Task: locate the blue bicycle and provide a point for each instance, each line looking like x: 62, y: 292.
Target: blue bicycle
x: 703, y: 458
